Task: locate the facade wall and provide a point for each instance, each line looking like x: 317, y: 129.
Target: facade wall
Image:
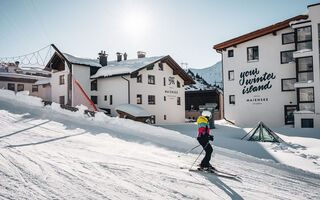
x: 58, y: 90
x: 264, y: 105
x: 118, y: 88
x: 43, y: 92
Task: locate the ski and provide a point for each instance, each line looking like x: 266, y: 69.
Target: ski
x: 217, y: 173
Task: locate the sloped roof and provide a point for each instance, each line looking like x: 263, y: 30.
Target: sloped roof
x: 258, y: 33
x: 82, y: 61
x: 125, y: 66
x: 133, y: 110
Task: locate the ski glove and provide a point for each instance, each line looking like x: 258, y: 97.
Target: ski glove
x: 210, y: 137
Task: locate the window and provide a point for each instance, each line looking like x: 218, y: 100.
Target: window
x: 306, y: 99
x: 164, y: 98
x: 230, y: 53
x: 288, y: 84
x: 11, y: 86
x: 61, y: 100
x: 151, y: 99
x: 178, y: 100
x: 304, y: 69
x: 287, y: 56
x: 20, y: 87
x: 161, y: 66
x: 164, y: 81
x: 61, y: 80
x: 231, y: 75
x: 94, y: 85
x: 35, y: 88
x: 94, y: 99
x: 253, y: 53
x: 288, y: 113
x: 139, y: 99
x: 178, y: 84
x: 139, y: 78
x: 151, y: 79
x: 288, y: 38
x: 105, y: 97
x: 110, y: 99
x: 306, y: 123
x: 304, y: 38
x: 152, y: 119
x: 232, y: 99
x: 165, y: 117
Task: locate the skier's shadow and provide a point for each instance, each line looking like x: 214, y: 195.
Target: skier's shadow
x: 229, y: 191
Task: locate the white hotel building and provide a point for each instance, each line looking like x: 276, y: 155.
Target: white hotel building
x: 155, y: 84
x: 272, y: 74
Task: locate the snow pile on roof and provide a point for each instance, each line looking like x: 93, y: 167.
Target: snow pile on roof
x: 43, y: 81
x: 133, y: 110
x: 125, y: 66
x: 82, y: 61
x: 16, y: 75
x: 298, y: 21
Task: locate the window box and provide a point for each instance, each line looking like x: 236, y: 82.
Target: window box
x: 11, y: 86
x: 288, y: 38
x: 139, y: 79
x: 151, y: 79
x: 306, y: 99
x: 304, y: 38
x: 286, y: 56
x: 230, y: 53
x: 304, y: 69
x: 151, y: 99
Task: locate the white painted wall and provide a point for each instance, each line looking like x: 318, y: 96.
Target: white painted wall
x: 118, y: 88
x: 271, y: 112
x: 58, y: 90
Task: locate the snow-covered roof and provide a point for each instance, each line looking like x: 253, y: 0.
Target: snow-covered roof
x: 43, y: 81
x: 82, y: 61
x: 16, y: 75
x: 133, y: 110
x: 125, y: 66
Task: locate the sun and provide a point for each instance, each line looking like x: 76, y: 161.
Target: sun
x: 136, y: 23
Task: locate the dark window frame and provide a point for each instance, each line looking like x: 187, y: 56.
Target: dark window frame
x: 303, y: 41
x: 164, y: 98
x: 285, y: 114
x: 150, y: 101
x: 283, y: 90
x: 94, y: 85
x: 230, y: 53
x: 150, y: 80
x: 110, y: 99
x: 178, y: 84
x: 252, y: 60
x: 164, y: 81
x: 178, y: 101
x: 19, y: 89
x: 164, y: 117
x: 152, y: 119
x: 139, y: 78
x: 305, y: 119
x: 139, y: 96
x: 105, y: 97
x: 298, y: 97
x: 305, y: 71
x: 230, y: 76
x: 230, y: 102
x: 10, y: 87
x: 62, y: 100
x: 160, y: 66
x: 35, y: 88
x: 284, y: 34
x: 94, y: 99
x: 281, y: 52
x: 61, y: 80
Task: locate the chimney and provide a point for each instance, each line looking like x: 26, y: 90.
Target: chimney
x: 141, y: 54
x: 103, y: 58
x: 125, y: 56
x: 119, y: 57
x: 17, y: 63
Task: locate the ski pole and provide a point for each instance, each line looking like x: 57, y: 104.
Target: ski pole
x: 190, y: 150
x: 198, y: 156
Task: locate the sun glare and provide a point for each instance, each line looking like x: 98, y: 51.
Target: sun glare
x: 135, y: 24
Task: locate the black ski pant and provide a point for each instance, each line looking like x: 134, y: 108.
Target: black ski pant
x: 204, y: 142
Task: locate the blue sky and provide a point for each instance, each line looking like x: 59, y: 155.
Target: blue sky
x: 184, y: 29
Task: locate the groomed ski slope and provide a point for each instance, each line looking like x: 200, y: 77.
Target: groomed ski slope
x: 48, y: 153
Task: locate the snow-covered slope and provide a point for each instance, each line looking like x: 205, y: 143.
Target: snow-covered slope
x: 212, y: 74
x: 48, y: 153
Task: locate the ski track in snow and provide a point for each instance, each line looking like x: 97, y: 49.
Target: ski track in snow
x: 41, y: 158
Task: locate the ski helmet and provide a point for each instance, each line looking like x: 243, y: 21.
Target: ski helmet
x: 206, y: 113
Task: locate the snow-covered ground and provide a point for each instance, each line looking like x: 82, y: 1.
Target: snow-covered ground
x: 49, y: 153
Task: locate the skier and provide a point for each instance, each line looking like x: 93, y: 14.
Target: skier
x: 203, y: 138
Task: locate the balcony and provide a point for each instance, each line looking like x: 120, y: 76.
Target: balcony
x: 302, y: 53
